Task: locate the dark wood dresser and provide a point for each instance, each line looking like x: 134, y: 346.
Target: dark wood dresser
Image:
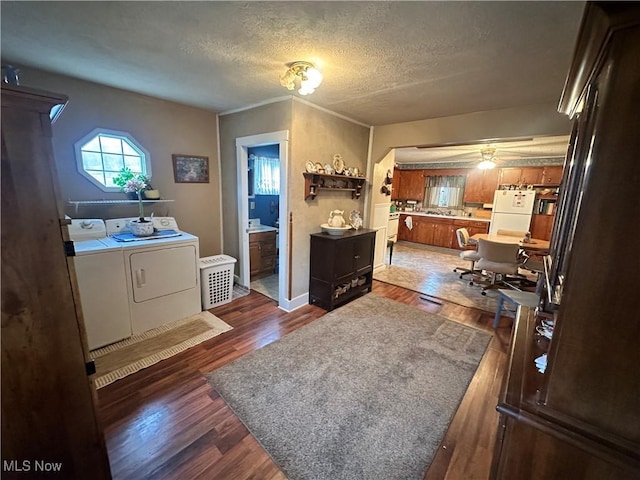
x: 341, y: 267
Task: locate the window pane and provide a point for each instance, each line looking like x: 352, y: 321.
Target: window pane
x: 109, y: 178
x: 127, y: 149
x: 110, y: 144
x: 112, y: 162
x: 91, y: 160
x: 93, y: 145
x: 97, y: 175
x: 133, y: 163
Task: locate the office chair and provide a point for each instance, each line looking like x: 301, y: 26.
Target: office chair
x: 470, y: 255
x: 499, y: 260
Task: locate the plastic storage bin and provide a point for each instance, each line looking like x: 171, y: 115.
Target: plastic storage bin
x: 216, y: 279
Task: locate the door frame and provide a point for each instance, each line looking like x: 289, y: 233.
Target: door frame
x: 281, y: 138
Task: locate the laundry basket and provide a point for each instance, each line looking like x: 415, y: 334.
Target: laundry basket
x: 216, y: 279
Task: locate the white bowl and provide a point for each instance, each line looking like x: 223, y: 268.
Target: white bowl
x: 334, y: 230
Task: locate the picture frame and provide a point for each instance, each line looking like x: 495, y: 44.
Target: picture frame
x: 190, y: 168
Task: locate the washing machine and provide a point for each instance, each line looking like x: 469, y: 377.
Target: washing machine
x: 162, y: 272
x: 100, y: 274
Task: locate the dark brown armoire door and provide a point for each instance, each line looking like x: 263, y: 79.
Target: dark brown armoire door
x: 48, y: 400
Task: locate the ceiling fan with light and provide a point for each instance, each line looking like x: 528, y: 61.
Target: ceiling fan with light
x: 485, y: 153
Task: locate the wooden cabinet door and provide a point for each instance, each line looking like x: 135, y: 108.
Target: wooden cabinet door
x: 552, y: 175
x: 416, y: 183
x: 255, y: 258
x: 424, y: 230
x: 510, y: 176
x: 396, y: 184
x: 531, y: 175
x: 362, y: 253
x: 403, y: 231
x: 442, y: 234
x: 481, y: 185
x: 48, y: 399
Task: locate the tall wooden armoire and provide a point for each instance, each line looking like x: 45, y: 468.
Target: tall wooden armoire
x: 48, y: 400
x: 580, y: 418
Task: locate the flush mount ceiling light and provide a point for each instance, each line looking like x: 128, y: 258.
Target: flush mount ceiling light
x: 308, y: 75
x: 488, y: 157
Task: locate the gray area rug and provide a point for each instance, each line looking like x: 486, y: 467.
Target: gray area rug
x: 429, y: 270
x: 365, y: 392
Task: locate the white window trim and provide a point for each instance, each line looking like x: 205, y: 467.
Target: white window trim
x: 146, y: 167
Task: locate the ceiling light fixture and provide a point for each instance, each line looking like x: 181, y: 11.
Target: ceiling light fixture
x: 488, y: 157
x: 309, y: 76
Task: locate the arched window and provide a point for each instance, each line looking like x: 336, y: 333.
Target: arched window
x: 102, y: 154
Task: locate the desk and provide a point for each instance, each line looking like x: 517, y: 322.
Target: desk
x: 535, y: 245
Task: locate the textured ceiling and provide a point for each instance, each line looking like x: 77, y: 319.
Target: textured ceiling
x: 383, y: 62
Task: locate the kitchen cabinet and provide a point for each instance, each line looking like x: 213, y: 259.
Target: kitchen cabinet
x: 437, y: 231
x: 341, y: 267
x: 481, y: 185
x: 521, y: 176
x: 580, y: 417
x: 409, y: 184
x: 552, y: 175
x: 48, y: 398
x: 262, y: 254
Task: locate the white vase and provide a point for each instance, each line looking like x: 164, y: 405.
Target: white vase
x: 141, y: 228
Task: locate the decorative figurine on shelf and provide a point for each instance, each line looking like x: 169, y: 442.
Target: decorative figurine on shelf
x: 336, y: 219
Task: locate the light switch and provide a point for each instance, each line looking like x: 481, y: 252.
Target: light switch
x: 252, y: 205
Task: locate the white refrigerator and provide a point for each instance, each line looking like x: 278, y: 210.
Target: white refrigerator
x: 512, y: 210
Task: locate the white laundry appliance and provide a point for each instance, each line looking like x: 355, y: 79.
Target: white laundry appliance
x: 162, y: 272
x: 100, y: 273
x: 392, y: 228
x: 512, y: 210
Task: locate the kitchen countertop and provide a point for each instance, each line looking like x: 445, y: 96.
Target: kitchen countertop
x: 454, y: 217
x: 261, y: 229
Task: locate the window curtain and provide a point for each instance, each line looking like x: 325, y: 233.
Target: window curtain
x: 445, y: 191
x: 267, y: 175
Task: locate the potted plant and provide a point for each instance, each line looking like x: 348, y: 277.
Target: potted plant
x: 140, y: 227
x: 121, y: 180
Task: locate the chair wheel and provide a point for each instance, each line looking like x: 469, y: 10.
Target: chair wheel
x: 455, y: 270
x: 460, y: 276
x: 470, y: 283
x: 484, y: 293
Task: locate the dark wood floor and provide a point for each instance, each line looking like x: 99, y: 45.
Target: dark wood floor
x: 167, y: 422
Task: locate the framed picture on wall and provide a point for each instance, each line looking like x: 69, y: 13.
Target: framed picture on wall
x: 190, y: 169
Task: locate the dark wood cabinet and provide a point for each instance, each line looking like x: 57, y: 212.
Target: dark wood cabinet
x: 541, y: 226
x: 481, y: 185
x: 48, y: 398
x: 521, y: 176
x: 580, y: 418
x: 262, y: 254
x: 341, y: 267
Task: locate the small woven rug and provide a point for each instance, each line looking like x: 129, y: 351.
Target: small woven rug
x: 130, y: 355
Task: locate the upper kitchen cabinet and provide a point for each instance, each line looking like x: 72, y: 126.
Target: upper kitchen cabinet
x: 408, y: 184
x: 481, y: 185
x: 552, y: 175
x: 520, y: 176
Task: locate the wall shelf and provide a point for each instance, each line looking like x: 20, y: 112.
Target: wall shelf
x: 314, y: 182
x: 79, y: 203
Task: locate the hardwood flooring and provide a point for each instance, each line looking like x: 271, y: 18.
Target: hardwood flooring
x: 166, y: 421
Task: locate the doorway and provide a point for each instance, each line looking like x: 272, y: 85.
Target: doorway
x: 270, y: 211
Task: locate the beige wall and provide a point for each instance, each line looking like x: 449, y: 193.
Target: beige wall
x: 533, y: 120
x: 316, y: 136
x: 273, y: 117
x: 162, y: 127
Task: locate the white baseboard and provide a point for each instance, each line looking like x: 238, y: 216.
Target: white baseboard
x: 295, y: 303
